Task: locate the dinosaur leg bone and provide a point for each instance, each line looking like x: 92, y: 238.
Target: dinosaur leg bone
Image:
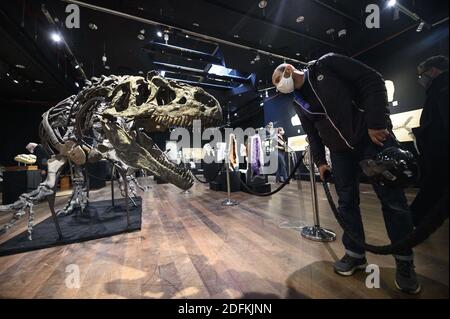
x: 26, y: 201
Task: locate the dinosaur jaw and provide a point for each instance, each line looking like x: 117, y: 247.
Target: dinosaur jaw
x: 159, y: 122
x: 165, y: 169
x: 141, y: 152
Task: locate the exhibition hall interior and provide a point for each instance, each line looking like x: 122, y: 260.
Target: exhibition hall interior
x: 224, y: 149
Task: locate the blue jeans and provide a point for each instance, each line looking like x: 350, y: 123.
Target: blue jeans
x: 281, y: 171
x: 396, y: 213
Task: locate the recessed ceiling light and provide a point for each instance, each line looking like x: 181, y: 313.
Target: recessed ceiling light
x: 195, y: 24
x: 141, y: 37
x: 56, y: 37
x: 187, y: 36
x: 77, y: 85
x: 159, y: 34
x: 236, y: 36
x: 297, y: 54
x: 300, y: 19
x: 269, y: 46
x: 342, y: 33
x: 391, y: 3
x: 107, y: 67
x: 15, y: 81
x: 141, y: 72
x: 7, y: 74
x: 20, y: 66
x: 38, y: 81
x: 262, y: 4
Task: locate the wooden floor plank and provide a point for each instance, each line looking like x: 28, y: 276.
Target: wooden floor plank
x: 190, y: 246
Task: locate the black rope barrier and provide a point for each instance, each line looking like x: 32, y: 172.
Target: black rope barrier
x: 297, y: 166
x: 436, y: 217
x: 208, y: 181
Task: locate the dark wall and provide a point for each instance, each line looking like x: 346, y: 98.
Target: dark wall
x: 279, y: 109
x: 396, y: 60
x: 19, y: 125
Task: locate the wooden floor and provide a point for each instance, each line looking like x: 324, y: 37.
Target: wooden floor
x: 192, y: 247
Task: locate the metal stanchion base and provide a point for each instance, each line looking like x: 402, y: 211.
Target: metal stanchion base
x: 230, y: 202
x: 317, y: 233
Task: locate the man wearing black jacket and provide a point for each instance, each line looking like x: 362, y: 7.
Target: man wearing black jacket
x: 343, y: 105
x: 432, y: 137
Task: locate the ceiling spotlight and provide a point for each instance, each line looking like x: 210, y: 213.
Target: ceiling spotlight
x: 236, y: 36
x: 195, y: 24
x: 262, y: 104
x: 56, y: 37
x: 342, y: 33
x: 141, y: 72
x: 20, y: 66
x: 262, y: 4
x: 15, y: 81
x: 187, y: 36
x: 235, y: 114
x: 77, y: 85
x: 7, y: 74
x: 300, y: 19
x: 159, y: 34
x: 141, y: 37
x: 38, y: 81
x: 107, y: 67
x: 77, y: 67
x: 93, y: 26
x: 391, y: 3
x: 297, y: 54
x: 420, y: 27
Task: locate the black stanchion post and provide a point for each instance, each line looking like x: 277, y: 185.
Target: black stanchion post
x: 316, y: 232
x: 229, y: 201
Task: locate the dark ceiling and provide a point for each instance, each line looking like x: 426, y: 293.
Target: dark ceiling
x: 49, y: 73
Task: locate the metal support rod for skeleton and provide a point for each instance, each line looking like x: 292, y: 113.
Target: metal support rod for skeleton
x: 113, y: 173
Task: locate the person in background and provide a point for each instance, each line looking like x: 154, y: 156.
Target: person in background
x: 432, y: 136
x: 343, y: 104
x: 282, y: 175
x: 42, y: 157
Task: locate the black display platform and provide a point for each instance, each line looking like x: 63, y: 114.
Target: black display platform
x: 100, y: 221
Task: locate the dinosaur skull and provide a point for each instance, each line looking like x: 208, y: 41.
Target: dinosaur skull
x: 156, y: 104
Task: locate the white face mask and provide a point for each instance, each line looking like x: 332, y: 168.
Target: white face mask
x: 286, y: 85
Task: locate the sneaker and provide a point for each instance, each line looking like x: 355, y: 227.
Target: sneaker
x: 406, y: 278
x: 348, y: 265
